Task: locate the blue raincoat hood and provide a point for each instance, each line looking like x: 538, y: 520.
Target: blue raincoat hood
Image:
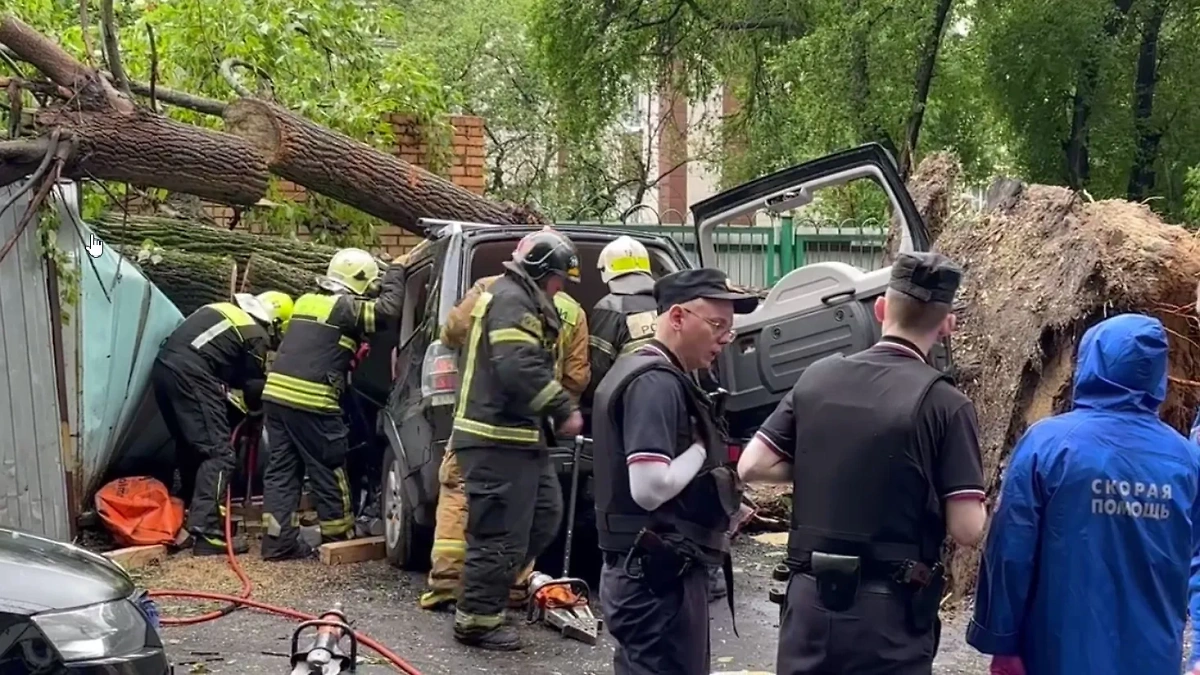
x: 1087, y: 562
x: 1122, y: 365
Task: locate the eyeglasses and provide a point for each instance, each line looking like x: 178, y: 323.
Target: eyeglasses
x: 719, y: 327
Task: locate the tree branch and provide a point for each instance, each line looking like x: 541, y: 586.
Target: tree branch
x: 63, y: 69
x: 112, y: 47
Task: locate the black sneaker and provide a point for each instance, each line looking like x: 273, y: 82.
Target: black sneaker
x: 499, y: 639
x: 206, y: 546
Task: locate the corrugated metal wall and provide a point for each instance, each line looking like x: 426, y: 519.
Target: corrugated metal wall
x: 33, y: 494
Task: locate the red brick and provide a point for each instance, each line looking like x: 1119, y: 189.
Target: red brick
x: 476, y: 151
x: 457, y: 171
x: 473, y: 162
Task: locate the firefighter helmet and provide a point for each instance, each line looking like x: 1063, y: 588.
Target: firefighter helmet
x: 624, y: 255
x: 547, y: 252
x: 280, y: 305
x: 351, y: 269
x: 258, y: 310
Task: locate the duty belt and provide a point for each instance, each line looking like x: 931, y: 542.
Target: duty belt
x: 632, y: 524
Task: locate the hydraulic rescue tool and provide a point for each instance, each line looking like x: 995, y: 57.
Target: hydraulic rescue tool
x: 564, y: 605
x: 324, y: 654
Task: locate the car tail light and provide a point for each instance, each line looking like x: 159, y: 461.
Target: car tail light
x: 735, y: 452
x: 439, y: 374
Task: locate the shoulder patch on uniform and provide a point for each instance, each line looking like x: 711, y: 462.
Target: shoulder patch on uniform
x: 641, y: 324
x: 531, y: 324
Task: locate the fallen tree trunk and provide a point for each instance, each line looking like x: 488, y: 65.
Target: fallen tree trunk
x: 115, y: 140
x: 189, y: 237
x: 354, y: 173
x: 265, y: 274
x: 189, y: 280
x: 1041, y: 266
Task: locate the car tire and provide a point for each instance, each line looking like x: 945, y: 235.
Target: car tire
x: 399, y: 526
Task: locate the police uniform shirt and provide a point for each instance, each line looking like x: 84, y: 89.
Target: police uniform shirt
x: 947, y: 431
x: 651, y: 409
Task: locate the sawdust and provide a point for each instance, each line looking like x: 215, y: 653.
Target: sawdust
x: 283, y: 583
x: 1042, y: 265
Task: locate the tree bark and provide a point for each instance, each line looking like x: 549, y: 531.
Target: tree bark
x: 192, y: 238
x: 143, y: 148
x: 354, y: 173
x: 115, y: 140
x: 1142, y: 174
x: 924, y: 81
x: 189, y: 280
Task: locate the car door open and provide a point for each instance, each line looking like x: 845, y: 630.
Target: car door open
x: 813, y: 311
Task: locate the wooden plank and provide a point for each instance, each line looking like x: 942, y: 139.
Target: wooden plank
x: 353, y: 551
x: 136, y: 557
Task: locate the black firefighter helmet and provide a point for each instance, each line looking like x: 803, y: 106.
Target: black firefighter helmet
x: 547, y: 252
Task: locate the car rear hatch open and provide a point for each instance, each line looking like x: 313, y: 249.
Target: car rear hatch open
x: 815, y: 310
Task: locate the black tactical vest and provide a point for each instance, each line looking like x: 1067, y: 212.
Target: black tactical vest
x: 862, y: 487
x: 698, y: 518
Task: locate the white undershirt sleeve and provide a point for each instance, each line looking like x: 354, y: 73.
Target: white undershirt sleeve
x: 653, y: 483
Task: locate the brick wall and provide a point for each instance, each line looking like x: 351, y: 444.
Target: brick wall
x: 464, y: 167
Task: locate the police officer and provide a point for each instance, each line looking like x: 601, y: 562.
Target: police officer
x: 514, y: 501
x: 664, y: 498
x: 220, y: 347
x: 883, y: 454
x: 624, y: 319
x: 449, y: 543
x: 305, y: 428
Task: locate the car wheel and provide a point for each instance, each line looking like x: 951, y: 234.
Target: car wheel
x: 398, y: 524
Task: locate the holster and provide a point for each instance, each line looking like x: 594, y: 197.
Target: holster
x: 923, y: 586
x: 662, y: 563
x: 837, y: 578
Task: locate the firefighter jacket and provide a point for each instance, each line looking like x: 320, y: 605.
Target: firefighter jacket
x: 221, y: 339
x: 619, y: 324
x: 507, y: 365
x: 322, y: 340
x: 571, y: 367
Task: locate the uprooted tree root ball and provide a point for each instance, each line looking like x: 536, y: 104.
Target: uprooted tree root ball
x: 1042, y: 264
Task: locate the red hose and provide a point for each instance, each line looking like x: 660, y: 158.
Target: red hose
x: 243, y: 600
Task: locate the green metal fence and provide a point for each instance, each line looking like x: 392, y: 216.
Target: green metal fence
x: 760, y: 255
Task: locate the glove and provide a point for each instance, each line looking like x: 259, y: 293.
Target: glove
x: 1007, y: 665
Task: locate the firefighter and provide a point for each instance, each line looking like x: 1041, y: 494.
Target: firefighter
x: 449, y: 544
x: 623, y: 320
x: 218, y: 348
x: 305, y: 429
x: 514, y: 500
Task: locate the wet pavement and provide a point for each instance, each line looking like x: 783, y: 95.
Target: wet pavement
x: 381, y: 602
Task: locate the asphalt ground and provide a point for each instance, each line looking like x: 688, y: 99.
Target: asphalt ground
x: 382, y: 602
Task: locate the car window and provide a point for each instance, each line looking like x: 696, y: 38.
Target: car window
x: 416, y: 296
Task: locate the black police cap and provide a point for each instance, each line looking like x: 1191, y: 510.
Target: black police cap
x: 683, y: 286
x: 928, y: 277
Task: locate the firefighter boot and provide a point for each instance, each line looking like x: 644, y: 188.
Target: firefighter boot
x: 501, y: 638
x: 205, y: 546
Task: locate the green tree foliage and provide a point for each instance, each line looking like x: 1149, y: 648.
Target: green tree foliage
x: 342, y: 63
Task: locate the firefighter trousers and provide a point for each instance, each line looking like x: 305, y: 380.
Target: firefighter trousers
x: 301, y: 441
x: 192, y: 403
x: 514, y: 509
x: 450, y: 543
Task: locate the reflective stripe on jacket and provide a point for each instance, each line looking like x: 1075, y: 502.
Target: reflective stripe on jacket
x: 508, y: 379
x: 223, y: 340
x: 572, y: 366
x: 315, y: 355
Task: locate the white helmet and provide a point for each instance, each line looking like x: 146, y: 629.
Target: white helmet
x: 254, y: 307
x: 625, y: 255
x: 350, y: 269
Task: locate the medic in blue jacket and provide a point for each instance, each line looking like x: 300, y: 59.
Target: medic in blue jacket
x: 1194, y: 584
x: 1087, y: 562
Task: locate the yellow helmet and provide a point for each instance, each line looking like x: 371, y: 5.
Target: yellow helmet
x: 280, y: 305
x: 623, y: 255
x: 351, y: 269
